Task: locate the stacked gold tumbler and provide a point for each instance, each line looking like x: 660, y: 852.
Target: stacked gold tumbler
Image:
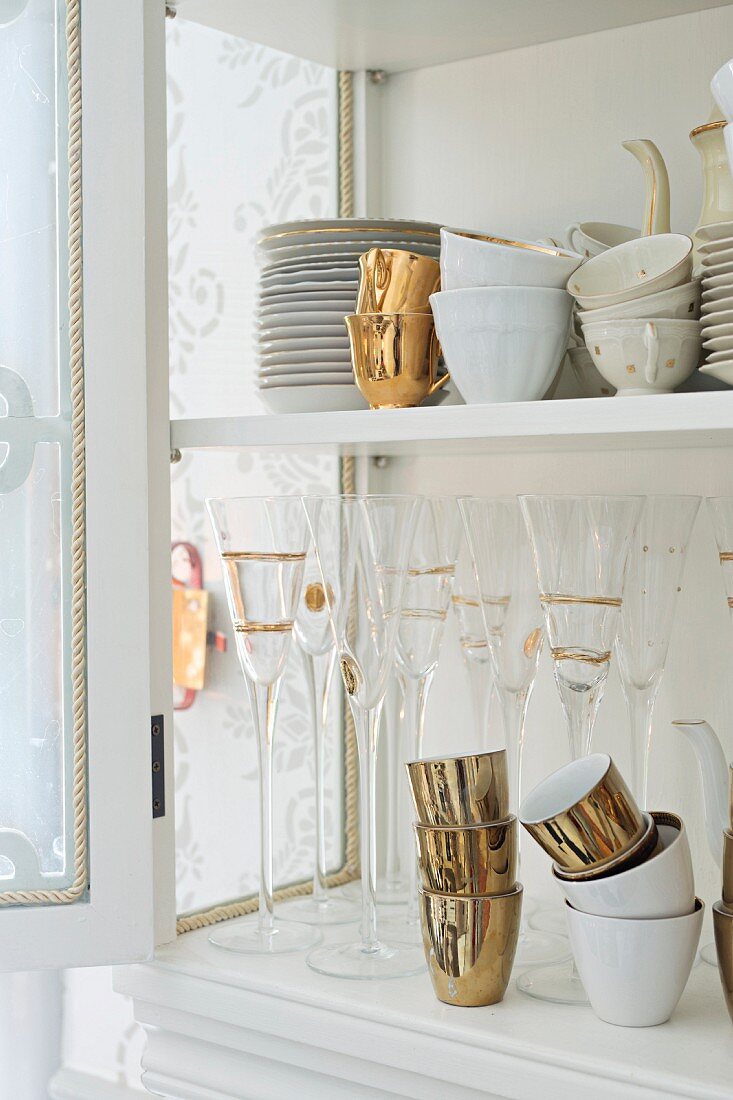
x: 723, y: 910
x: 394, y: 349
x: 470, y: 900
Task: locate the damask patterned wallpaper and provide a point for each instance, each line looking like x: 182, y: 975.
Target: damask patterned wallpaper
x: 251, y: 140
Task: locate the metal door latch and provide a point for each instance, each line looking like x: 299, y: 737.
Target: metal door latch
x: 157, y: 756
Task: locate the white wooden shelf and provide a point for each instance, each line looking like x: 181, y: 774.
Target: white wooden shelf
x: 676, y: 420
x: 220, y: 1025
x: 410, y: 34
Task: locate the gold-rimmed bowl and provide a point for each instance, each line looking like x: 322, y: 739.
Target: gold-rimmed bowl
x: 395, y: 280
x: 470, y: 944
x: 469, y: 260
x: 584, y: 815
x: 468, y: 859
x: 460, y: 790
x: 395, y: 358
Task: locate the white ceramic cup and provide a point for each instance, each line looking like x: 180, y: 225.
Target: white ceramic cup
x: 643, y: 357
x: 635, y: 269
x: 592, y: 238
x: 679, y: 303
x: 662, y: 886
x: 722, y: 88
x: 502, y: 343
x: 476, y: 260
x: 634, y: 971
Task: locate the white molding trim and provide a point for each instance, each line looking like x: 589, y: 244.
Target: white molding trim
x: 223, y: 1027
x: 73, y: 1084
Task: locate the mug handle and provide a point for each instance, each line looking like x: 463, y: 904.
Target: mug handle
x: 571, y: 229
x: 651, y: 343
x: 434, y: 356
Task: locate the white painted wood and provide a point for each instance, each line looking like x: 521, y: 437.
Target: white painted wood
x: 126, y: 445
x: 225, y: 1027
x: 379, y: 34
x: 677, y: 420
x: 72, y: 1084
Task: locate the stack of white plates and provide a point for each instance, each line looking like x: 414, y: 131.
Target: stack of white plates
x: 716, y: 257
x: 308, y: 283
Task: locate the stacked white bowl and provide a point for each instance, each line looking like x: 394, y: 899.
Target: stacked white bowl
x: 309, y: 279
x: 503, y: 314
x: 638, y: 308
x: 716, y: 257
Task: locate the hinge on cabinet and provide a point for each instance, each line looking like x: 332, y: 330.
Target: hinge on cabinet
x: 157, y: 756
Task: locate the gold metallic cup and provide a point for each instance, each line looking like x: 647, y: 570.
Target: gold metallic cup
x: 601, y: 826
x: 460, y: 790
x: 394, y: 280
x: 728, y: 869
x: 723, y: 928
x: 463, y: 860
x: 730, y: 796
x: 638, y: 853
x: 395, y: 358
x: 470, y: 944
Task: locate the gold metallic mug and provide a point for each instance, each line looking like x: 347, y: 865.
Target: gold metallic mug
x: 639, y: 852
x: 460, y: 790
x: 723, y: 927
x: 728, y: 870
x: 596, y: 829
x: 395, y: 358
x: 471, y: 859
x: 394, y: 280
x: 470, y: 944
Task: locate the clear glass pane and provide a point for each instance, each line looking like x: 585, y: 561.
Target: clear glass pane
x: 29, y: 197
x: 36, y: 727
x: 32, y: 804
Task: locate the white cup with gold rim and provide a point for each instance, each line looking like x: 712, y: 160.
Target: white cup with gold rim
x: 469, y: 260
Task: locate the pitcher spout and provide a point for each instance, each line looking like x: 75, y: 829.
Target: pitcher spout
x: 714, y: 775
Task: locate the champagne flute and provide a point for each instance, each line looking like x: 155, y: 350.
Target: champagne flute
x: 262, y: 544
x: 514, y: 629
x: 653, y: 582
x: 580, y: 546
x: 312, y: 631
x: 364, y: 594
x: 474, y: 646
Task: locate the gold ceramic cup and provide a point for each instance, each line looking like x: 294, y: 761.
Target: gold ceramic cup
x: 728, y: 869
x: 394, y: 280
x: 395, y: 358
x: 470, y: 944
x: 723, y: 927
x: 638, y: 853
x: 464, y: 860
x: 596, y: 828
x: 460, y: 790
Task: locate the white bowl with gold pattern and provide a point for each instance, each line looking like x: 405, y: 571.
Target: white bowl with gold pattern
x: 470, y: 260
x: 679, y: 303
x: 643, y: 357
x: 635, y: 269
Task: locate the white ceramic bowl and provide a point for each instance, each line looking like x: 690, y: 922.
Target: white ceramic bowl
x: 502, y: 343
x: 475, y: 260
x: 642, y: 357
x: 681, y: 303
x: 634, y: 971
x: 589, y: 382
x: 635, y: 269
x: 722, y: 88
x: 592, y: 238
x: 662, y: 886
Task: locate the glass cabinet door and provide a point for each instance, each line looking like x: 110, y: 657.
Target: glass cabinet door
x: 80, y: 277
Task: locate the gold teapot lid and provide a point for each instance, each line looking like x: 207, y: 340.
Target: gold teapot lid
x: 715, y: 122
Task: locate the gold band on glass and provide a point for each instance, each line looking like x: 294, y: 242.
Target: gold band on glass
x: 600, y: 601
x: 242, y: 906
